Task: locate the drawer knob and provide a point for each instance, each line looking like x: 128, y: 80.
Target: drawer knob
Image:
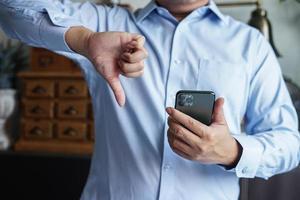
x: 71, y: 90
x: 39, y: 90
x: 37, y: 110
x: 71, y: 111
x: 36, y: 131
x: 45, y: 61
x: 70, y: 132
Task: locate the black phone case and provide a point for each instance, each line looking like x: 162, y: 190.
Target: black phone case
x: 197, y: 104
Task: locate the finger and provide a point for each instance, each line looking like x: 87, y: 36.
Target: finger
x: 134, y: 57
x: 182, y: 147
x: 190, y: 123
x: 130, y: 67
x: 136, y: 41
x: 118, y: 91
x: 170, y: 137
x: 134, y: 74
x: 183, y: 134
x: 182, y: 154
x: 140, y: 41
x: 135, y: 45
x: 218, y: 114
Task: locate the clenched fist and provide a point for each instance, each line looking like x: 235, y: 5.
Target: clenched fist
x: 112, y: 54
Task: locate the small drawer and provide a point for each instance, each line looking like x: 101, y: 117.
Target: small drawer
x: 72, y: 88
x: 72, y: 109
x: 38, y: 109
x: 72, y: 131
x: 39, y: 88
x: 43, y: 60
x: 37, y: 130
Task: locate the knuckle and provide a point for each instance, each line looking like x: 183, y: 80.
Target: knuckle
x: 202, y: 133
x: 210, y: 137
x: 178, y: 131
x: 199, y: 158
x: 98, y: 60
x: 175, y: 143
x: 130, y: 58
x: 142, y: 64
x: 146, y: 53
x: 203, y: 149
x: 141, y: 73
x: 191, y: 122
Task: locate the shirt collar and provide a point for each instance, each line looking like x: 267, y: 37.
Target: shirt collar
x: 143, y: 13
x: 213, y: 7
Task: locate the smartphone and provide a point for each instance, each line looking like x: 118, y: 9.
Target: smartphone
x: 197, y: 104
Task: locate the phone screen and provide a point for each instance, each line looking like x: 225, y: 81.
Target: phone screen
x: 197, y: 104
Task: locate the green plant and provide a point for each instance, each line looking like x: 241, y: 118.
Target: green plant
x: 13, y: 57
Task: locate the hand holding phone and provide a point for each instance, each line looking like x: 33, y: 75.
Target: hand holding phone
x: 192, y: 140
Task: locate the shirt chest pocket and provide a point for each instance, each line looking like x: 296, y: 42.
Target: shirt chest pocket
x: 226, y: 79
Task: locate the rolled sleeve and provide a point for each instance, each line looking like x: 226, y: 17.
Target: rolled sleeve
x: 52, y: 34
x: 44, y: 24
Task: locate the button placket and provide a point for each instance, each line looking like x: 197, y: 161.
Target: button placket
x: 168, y: 168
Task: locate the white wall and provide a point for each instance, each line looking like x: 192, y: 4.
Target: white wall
x: 285, y: 18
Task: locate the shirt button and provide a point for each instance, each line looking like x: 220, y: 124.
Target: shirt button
x: 245, y: 170
x: 177, y: 61
x: 57, y: 18
x: 167, y: 167
x: 160, y: 11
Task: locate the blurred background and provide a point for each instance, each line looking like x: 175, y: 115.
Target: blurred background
x: 46, y: 120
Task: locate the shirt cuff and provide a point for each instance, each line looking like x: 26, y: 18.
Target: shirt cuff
x: 251, y: 156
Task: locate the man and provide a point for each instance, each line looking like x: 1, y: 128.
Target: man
x: 143, y: 150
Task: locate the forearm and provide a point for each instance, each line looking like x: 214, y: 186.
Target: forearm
x: 44, y: 24
x: 32, y: 26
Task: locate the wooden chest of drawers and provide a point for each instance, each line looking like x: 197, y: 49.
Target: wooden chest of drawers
x: 56, y: 113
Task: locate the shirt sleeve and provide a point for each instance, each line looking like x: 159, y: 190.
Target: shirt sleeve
x: 271, y: 143
x: 43, y: 23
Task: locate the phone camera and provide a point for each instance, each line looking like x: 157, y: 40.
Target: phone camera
x: 186, y: 100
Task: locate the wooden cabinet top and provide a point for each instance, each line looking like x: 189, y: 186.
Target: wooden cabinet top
x: 33, y: 74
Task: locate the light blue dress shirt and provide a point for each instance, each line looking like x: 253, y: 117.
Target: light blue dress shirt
x: 205, y: 51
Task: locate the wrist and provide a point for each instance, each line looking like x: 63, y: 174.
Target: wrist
x: 234, y: 154
x: 77, y: 38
